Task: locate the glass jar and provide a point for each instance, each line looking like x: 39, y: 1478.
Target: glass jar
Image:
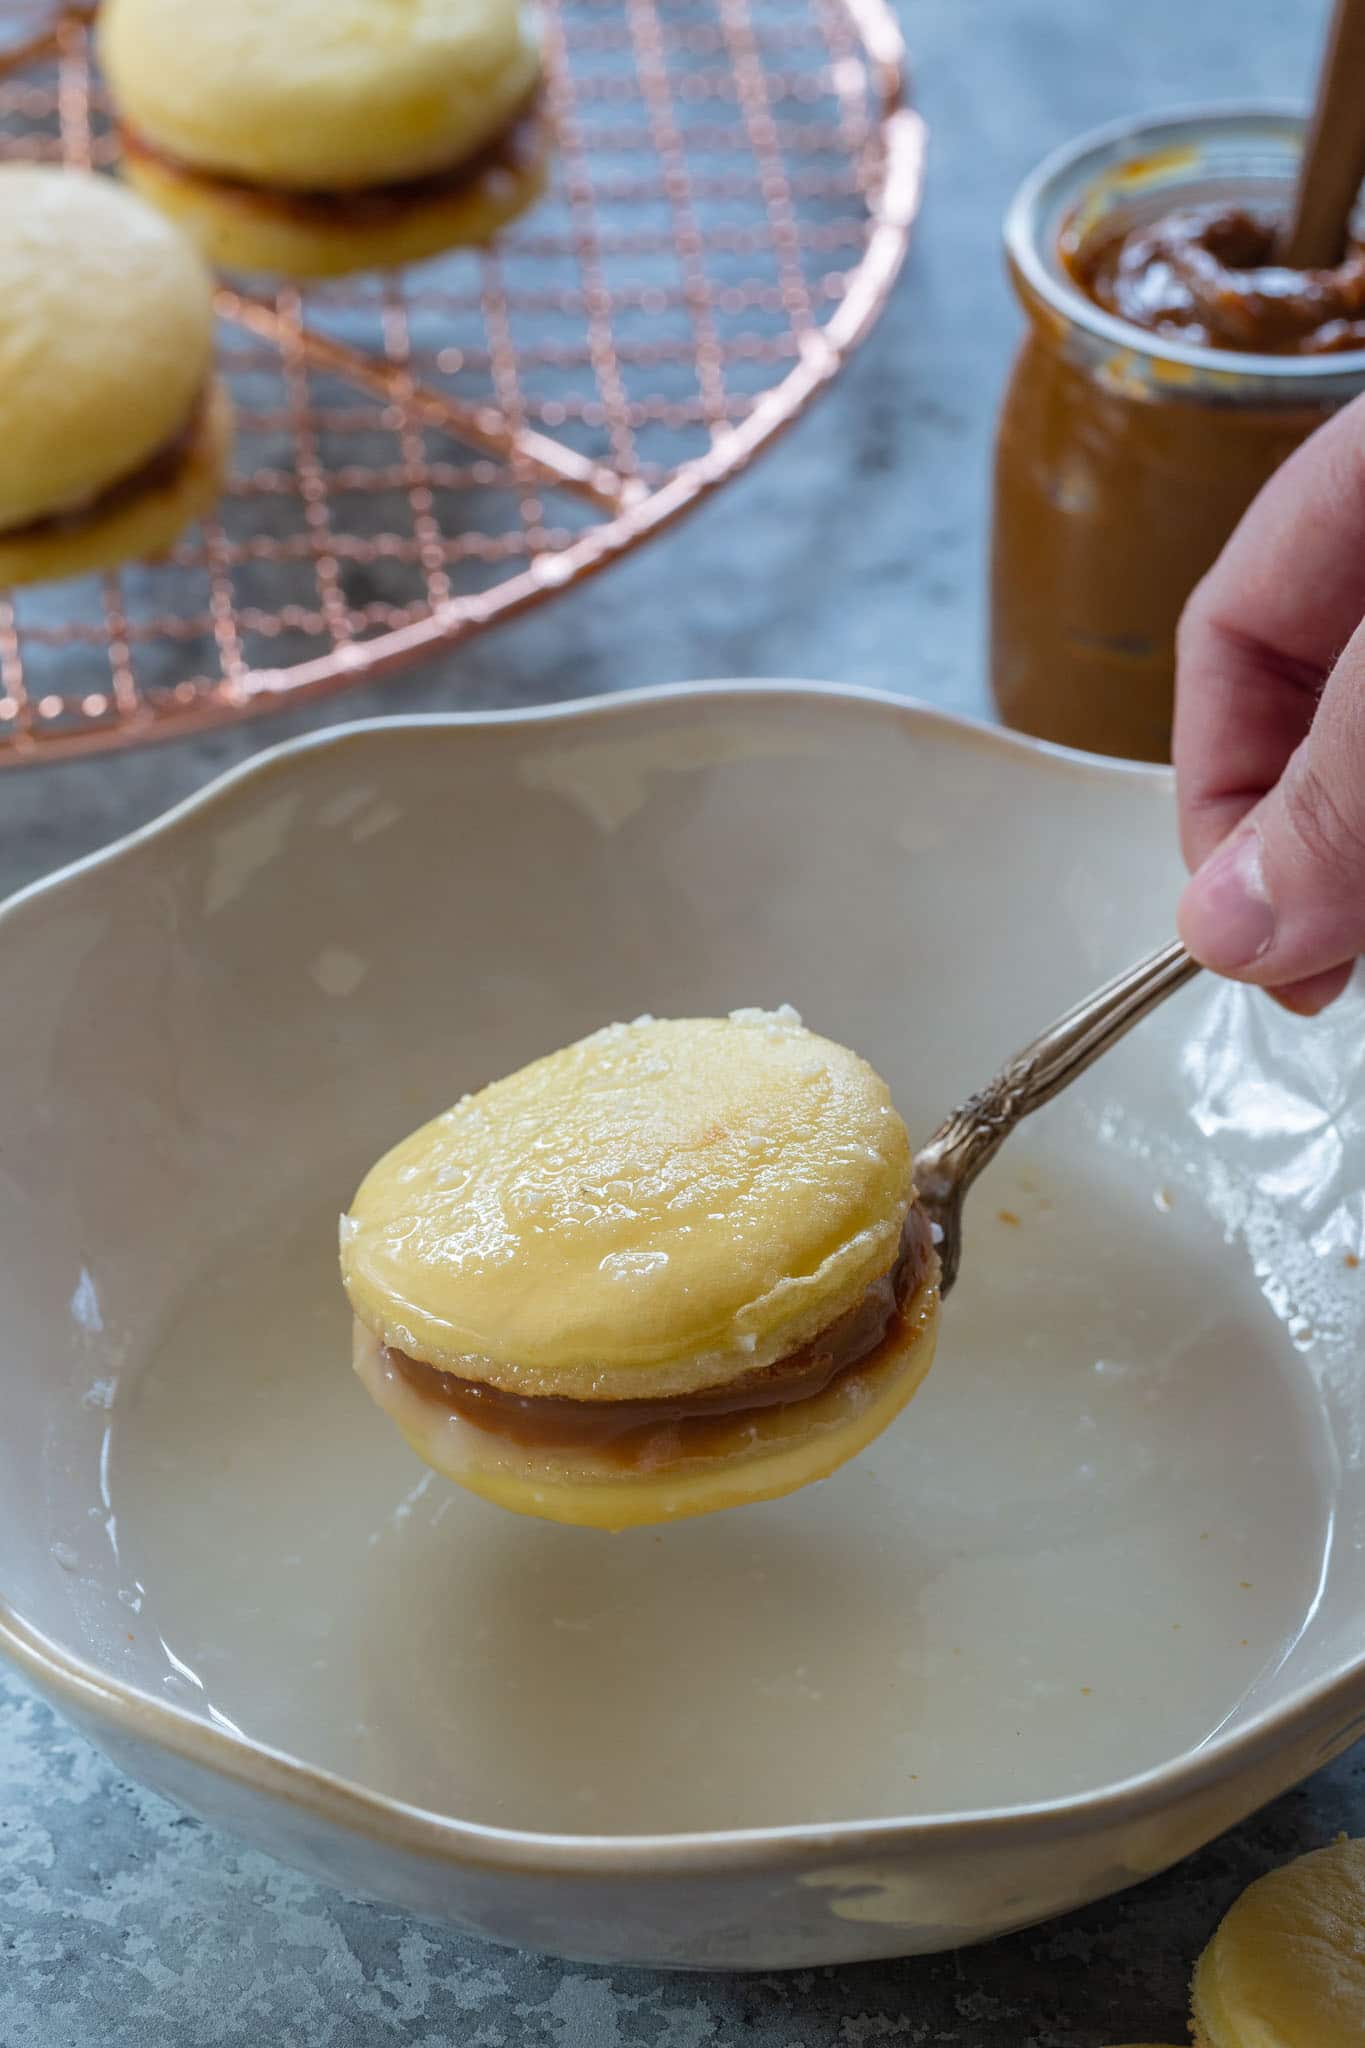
x: 1124, y: 459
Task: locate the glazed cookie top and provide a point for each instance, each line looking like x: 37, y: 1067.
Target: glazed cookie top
x: 318, y: 94
x: 655, y: 1209
x: 1288, y: 1963
x: 106, y: 337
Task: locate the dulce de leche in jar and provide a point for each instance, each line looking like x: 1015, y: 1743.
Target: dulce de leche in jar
x: 1170, y: 365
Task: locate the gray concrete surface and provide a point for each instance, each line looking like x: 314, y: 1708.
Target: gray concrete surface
x: 853, y: 550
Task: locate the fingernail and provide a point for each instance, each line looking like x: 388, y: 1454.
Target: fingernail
x: 1226, y: 916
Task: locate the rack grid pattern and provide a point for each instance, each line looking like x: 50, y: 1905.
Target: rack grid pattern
x: 420, y: 454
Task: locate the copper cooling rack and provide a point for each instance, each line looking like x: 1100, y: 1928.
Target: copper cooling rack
x: 422, y: 454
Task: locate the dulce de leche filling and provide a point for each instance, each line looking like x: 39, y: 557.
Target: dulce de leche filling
x: 1208, y: 275
x: 515, y: 150
x: 643, y: 1433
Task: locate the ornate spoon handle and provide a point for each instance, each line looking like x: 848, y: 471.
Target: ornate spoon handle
x: 973, y: 1134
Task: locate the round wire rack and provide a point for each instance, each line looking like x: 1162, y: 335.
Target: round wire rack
x: 420, y: 454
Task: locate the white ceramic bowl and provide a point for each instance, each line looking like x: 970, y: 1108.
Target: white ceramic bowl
x: 1093, y: 1598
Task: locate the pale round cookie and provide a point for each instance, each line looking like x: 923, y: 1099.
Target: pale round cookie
x: 1286, y: 1968
x: 668, y: 1270
x: 318, y: 95
x: 106, y: 339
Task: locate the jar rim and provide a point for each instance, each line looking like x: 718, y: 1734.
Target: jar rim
x: 1080, y: 164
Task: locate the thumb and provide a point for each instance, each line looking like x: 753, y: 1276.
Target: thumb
x: 1281, y: 902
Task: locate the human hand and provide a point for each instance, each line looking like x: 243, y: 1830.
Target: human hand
x: 1270, y: 732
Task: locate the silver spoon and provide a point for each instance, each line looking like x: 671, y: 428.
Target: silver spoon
x: 973, y: 1134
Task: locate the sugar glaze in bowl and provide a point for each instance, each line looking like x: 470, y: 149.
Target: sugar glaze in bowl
x: 1093, y: 1598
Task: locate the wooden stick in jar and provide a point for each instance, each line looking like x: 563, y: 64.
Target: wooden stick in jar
x: 1334, y: 151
